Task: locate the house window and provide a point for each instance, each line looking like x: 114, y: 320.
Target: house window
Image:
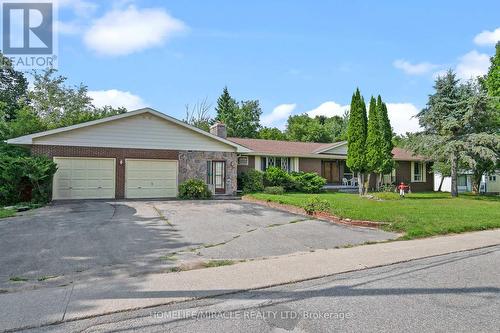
x: 274, y: 161
x: 462, y: 181
x: 418, y: 172
x: 492, y: 178
x: 210, y: 173
x: 243, y: 160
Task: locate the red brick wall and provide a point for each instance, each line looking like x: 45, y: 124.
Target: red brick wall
x: 117, y: 153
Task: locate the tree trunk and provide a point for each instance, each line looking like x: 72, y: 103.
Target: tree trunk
x: 367, y: 183
x: 379, y: 181
x: 454, y: 175
x: 361, y: 183
x: 441, y: 183
x: 476, y: 182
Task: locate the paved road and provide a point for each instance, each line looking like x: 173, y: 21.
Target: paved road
x: 78, y: 241
x: 450, y: 293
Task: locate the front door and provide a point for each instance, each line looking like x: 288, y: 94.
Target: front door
x: 219, y: 172
x: 331, y: 171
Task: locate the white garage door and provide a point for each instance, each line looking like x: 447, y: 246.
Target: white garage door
x: 84, y: 178
x: 150, y: 178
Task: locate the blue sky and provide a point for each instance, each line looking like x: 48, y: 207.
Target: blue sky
x: 293, y: 56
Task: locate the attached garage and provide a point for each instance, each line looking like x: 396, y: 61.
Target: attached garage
x: 84, y: 178
x: 137, y: 154
x: 150, y: 178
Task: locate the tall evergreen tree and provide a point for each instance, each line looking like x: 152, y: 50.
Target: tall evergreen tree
x: 226, y: 109
x: 242, y: 119
x: 374, y: 141
x: 356, y: 139
x: 386, y: 130
x: 459, y: 127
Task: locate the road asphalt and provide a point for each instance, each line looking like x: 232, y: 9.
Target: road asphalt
x: 457, y: 292
x: 76, y: 301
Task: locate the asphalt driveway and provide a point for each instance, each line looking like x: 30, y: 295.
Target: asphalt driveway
x: 64, y: 242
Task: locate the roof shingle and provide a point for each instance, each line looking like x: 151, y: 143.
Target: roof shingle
x: 294, y: 148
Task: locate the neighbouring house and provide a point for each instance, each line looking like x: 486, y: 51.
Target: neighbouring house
x: 146, y: 154
x: 329, y: 161
x: 490, y: 183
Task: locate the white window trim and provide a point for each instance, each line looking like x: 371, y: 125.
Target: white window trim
x: 245, y: 158
x: 257, y: 163
x: 423, y: 179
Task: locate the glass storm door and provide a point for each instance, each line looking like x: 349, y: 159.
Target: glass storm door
x: 219, y: 172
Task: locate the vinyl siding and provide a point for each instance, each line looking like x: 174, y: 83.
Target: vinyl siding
x: 142, y: 131
x: 341, y: 150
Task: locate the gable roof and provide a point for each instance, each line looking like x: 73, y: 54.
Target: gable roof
x: 28, y: 139
x: 297, y: 149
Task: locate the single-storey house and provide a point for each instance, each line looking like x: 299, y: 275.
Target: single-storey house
x: 329, y: 161
x: 146, y: 154
x: 490, y: 183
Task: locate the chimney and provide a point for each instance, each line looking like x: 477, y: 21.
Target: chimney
x: 219, y: 129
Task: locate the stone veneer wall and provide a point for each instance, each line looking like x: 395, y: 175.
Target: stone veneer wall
x: 193, y: 164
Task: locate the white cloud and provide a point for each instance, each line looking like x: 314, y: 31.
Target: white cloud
x: 278, y: 116
x: 414, y: 69
x: 402, y: 117
x: 116, y: 98
x: 487, y: 37
x: 472, y: 64
x: 328, y: 109
x: 121, y: 32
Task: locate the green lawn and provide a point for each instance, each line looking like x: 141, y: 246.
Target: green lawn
x: 6, y: 212
x: 417, y: 215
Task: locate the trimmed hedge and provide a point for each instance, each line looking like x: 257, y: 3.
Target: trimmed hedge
x: 256, y: 181
x: 274, y: 176
x: 307, y: 182
x: 194, y: 189
x: 252, y: 181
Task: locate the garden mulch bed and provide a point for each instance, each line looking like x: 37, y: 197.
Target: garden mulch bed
x: 324, y: 216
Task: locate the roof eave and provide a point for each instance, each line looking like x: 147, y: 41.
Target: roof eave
x: 28, y: 139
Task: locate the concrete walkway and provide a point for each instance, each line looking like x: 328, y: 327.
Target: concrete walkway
x: 45, y: 306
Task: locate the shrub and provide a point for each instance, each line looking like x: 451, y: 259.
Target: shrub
x: 387, y: 188
x: 252, y: 181
x: 274, y: 190
x: 194, y: 189
x: 307, y: 182
x: 25, y: 178
x: 274, y: 176
x: 315, y: 204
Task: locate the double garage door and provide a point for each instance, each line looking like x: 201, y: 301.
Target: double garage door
x: 95, y: 178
